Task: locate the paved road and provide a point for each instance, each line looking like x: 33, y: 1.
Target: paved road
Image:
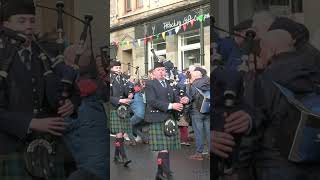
x: 144, y: 165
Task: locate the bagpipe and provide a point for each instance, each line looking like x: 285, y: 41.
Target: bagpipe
x: 123, y: 110
x: 227, y: 95
x: 171, y: 71
x: 54, y: 66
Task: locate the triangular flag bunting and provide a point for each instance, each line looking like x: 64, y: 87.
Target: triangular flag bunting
x: 145, y: 40
x: 139, y: 42
x: 192, y: 22
x: 164, y: 35
x: 200, y: 18
x: 177, y: 29
x: 151, y: 38
x: 158, y: 35
x: 184, y: 26
x: 170, y: 32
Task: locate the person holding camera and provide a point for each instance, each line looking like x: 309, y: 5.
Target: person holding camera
x: 277, y: 117
x: 199, y: 83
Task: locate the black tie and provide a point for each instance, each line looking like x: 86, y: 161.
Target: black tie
x: 118, y: 79
x: 26, y: 58
x: 163, y: 84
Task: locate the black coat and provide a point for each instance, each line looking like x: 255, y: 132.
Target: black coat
x: 119, y: 90
x: 194, y: 96
x: 23, y: 96
x: 158, y: 99
x: 275, y: 117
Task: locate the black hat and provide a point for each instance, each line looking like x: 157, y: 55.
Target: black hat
x: 158, y: 64
x: 203, y: 71
x: 115, y: 63
x: 246, y: 24
x: 15, y: 7
x: 298, y: 31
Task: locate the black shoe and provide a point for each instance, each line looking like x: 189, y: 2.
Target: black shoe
x: 126, y: 163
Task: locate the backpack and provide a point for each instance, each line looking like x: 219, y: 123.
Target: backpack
x: 306, y: 143
x: 204, y: 101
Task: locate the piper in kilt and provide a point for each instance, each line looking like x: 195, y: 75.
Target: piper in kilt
x: 30, y: 116
x: 162, y: 102
x: 120, y: 95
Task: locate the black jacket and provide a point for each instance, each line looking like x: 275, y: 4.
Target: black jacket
x: 118, y: 90
x: 158, y: 99
x: 23, y: 96
x: 193, y: 94
x: 276, y: 118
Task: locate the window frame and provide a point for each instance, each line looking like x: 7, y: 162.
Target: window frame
x: 139, y: 5
x: 126, y: 9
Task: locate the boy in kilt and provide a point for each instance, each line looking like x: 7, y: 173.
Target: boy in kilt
x: 119, y: 96
x: 29, y: 112
x: 162, y: 101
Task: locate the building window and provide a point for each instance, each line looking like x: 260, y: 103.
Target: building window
x: 297, y: 6
x: 190, y: 38
x: 279, y: 2
x: 190, y: 49
x: 139, y: 4
x: 159, y: 44
x: 128, y: 5
x: 293, y: 6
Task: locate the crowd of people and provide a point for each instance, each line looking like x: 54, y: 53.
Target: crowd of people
x: 158, y: 110
x: 263, y: 130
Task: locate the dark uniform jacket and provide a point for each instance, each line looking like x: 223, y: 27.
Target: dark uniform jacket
x: 23, y: 96
x: 119, y: 90
x: 158, y: 99
x: 276, y: 117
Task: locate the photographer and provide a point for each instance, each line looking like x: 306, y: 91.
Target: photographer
x: 278, y: 119
x: 265, y: 21
x: 200, y: 121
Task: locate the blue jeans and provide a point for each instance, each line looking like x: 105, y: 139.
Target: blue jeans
x: 87, y: 137
x: 201, y: 128
x: 138, y: 108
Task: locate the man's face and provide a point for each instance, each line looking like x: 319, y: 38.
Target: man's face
x: 116, y: 69
x: 159, y: 73
x: 24, y: 23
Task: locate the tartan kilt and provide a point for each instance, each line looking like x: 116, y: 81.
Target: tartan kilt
x: 159, y: 141
x: 12, y: 167
x: 118, y: 125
